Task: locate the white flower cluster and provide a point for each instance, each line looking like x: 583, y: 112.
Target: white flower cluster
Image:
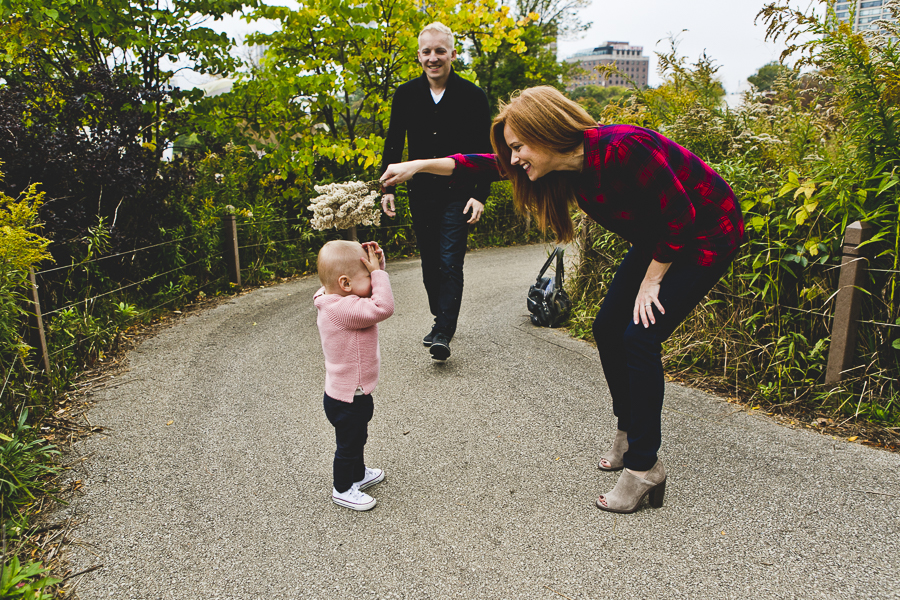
x: 343, y: 205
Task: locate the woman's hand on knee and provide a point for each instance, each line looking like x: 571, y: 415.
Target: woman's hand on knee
x: 644, y: 303
x: 648, y: 294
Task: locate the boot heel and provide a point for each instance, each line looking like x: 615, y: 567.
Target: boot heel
x: 656, y: 495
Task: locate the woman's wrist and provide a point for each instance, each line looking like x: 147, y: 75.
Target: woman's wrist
x: 655, y: 272
x: 435, y: 166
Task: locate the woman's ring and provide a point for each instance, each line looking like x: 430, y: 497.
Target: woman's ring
x: 649, y: 304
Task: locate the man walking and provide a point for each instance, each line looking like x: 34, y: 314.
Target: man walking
x: 442, y: 114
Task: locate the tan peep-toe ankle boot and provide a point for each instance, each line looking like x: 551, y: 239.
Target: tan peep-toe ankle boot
x: 630, y: 490
x: 615, y: 453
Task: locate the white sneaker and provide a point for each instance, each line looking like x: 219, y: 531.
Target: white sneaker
x: 353, y: 499
x: 371, y: 477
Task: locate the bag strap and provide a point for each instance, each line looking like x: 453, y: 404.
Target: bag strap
x: 556, y: 252
x: 559, y: 267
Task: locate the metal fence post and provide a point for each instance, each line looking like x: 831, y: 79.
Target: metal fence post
x: 847, y: 302
x: 37, y: 339
x: 232, y: 258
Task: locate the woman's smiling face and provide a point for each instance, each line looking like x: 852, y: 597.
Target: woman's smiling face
x: 536, y: 162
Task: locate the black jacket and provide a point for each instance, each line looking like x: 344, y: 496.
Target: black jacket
x: 459, y: 123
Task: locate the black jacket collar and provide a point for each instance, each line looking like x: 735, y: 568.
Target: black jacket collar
x: 451, y: 80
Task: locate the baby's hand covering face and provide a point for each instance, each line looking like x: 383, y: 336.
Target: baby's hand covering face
x: 373, y: 256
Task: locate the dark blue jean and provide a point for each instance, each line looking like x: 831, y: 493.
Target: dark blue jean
x: 631, y: 354
x: 441, y: 235
x: 351, y: 430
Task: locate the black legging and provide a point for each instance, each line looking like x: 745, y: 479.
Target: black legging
x: 630, y: 354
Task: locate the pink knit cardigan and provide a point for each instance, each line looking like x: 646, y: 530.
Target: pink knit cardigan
x: 348, y: 326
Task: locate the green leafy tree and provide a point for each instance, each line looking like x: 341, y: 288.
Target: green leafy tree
x: 767, y: 74
x: 595, y: 98
x: 149, y: 41
x: 320, y: 102
x: 530, y: 58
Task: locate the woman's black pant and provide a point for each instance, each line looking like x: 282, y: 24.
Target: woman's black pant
x: 631, y: 354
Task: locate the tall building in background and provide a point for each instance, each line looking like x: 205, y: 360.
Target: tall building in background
x: 629, y: 59
x: 865, y: 12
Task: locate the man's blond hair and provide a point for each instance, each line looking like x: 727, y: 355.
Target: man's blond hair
x: 336, y: 258
x: 439, y: 27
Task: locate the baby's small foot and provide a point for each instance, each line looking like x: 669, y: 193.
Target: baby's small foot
x: 371, y: 477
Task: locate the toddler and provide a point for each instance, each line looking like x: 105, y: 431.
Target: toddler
x: 355, y: 297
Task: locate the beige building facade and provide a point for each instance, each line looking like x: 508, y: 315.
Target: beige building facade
x: 862, y: 13
x: 629, y: 59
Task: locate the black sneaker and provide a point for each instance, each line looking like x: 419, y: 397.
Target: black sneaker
x: 440, y: 347
x: 428, y: 339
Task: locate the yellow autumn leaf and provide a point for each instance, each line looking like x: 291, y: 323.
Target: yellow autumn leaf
x: 812, y: 246
x: 170, y: 422
x: 808, y: 189
x: 853, y: 438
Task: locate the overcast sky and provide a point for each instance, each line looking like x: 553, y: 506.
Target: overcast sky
x: 724, y: 28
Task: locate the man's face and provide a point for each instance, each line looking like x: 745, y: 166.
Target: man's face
x: 435, y: 54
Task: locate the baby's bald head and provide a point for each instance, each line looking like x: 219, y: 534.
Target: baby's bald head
x: 336, y: 258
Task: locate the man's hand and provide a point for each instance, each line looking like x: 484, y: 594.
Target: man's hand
x: 476, y: 207
x: 387, y: 205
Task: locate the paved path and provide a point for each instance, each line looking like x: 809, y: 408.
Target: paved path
x: 491, y: 471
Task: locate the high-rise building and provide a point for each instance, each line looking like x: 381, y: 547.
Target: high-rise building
x: 629, y: 59
x: 865, y: 12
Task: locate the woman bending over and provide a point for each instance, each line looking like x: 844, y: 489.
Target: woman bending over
x: 681, y: 218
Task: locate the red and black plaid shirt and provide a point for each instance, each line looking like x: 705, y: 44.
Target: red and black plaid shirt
x: 651, y: 191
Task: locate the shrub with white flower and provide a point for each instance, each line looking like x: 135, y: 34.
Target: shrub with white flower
x: 344, y: 205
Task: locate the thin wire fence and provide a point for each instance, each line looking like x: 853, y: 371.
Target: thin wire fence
x: 130, y: 285
x: 107, y: 331
x: 244, y: 224
x: 148, y: 311
x: 96, y: 260
x: 268, y: 243
x: 280, y: 245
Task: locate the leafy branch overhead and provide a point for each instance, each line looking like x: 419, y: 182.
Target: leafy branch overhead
x: 320, y: 97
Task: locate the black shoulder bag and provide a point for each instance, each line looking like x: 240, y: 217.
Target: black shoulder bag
x: 548, y: 302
